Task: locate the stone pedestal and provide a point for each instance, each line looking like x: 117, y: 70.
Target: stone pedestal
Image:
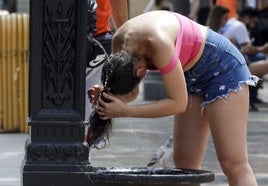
x: 153, y: 88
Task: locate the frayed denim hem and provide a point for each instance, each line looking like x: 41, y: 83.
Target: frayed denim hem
x: 252, y: 81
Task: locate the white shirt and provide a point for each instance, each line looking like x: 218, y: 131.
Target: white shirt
x: 252, y: 3
x: 236, y: 31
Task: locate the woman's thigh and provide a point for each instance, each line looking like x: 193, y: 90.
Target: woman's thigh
x: 191, y: 132
x: 228, y: 124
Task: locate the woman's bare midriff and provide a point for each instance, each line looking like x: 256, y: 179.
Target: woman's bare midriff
x: 189, y: 65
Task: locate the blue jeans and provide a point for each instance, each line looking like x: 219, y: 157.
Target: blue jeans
x: 220, y: 70
x: 256, y: 57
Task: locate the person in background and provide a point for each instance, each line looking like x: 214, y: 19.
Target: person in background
x: 251, y: 3
x: 159, y: 5
x: 230, y: 4
x: 262, y: 5
x: 238, y: 31
x: 217, y: 18
x: 107, y: 10
x: 110, y: 15
x: 250, y: 17
x: 261, y: 29
x: 200, y: 10
x: 238, y: 34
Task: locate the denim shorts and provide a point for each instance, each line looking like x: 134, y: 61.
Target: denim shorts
x: 220, y: 70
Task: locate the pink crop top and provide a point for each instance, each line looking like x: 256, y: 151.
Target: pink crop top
x: 188, y: 43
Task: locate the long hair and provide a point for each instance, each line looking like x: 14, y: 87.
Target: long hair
x: 215, y: 17
x: 118, y: 77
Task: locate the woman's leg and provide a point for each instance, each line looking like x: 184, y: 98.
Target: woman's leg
x: 228, y: 124
x: 191, y: 131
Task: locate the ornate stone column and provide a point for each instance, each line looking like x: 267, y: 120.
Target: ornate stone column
x: 56, y: 153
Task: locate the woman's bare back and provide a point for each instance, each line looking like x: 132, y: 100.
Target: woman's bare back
x: 146, y: 30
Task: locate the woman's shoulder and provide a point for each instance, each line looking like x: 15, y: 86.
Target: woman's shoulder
x: 149, y: 29
x: 153, y: 18
x: 156, y: 22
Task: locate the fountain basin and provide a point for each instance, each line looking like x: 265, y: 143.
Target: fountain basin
x: 148, y: 176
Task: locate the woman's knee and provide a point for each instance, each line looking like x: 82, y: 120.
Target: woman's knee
x: 233, y: 167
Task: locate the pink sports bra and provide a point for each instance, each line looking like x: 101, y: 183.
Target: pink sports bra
x: 188, y: 43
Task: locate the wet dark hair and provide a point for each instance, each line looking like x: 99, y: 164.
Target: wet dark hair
x: 118, y: 77
x: 249, y: 11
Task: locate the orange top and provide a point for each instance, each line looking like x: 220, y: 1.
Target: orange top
x: 230, y: 4
x: 103, y: 14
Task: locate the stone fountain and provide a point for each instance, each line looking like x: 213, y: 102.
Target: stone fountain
x: 55, y: 152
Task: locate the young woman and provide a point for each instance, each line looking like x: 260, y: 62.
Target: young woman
x: 206, y: 81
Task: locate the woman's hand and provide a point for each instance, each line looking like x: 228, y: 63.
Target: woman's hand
x: 93, y: 95
x: 113, y: 109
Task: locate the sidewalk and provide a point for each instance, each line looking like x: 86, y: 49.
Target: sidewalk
x: 135, y: 140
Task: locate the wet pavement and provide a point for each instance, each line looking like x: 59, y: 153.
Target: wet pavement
x: 135, y: 140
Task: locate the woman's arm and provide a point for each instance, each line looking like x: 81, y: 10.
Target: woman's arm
x: 174, y: 84
x: 175, y: 102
